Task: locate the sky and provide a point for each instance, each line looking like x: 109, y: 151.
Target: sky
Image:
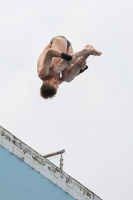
x: 92, y: 116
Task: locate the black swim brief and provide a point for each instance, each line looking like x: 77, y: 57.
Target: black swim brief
x: 68, y: 43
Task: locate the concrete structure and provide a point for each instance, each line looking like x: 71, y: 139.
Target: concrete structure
x: 27, y: 175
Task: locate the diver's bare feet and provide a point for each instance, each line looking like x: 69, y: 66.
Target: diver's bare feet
x: 91, y: 51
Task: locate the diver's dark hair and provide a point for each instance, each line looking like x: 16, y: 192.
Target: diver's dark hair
x: 47, y: 91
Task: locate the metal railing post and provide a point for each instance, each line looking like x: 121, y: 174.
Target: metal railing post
x: 57, y: 153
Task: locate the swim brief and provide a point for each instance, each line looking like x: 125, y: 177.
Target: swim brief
x: 68, y: 43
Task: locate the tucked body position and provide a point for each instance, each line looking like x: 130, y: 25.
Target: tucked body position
x: 58, y: 63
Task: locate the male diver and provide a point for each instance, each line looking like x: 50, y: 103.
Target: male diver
x: 58, y: 63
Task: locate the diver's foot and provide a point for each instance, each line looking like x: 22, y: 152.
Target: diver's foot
x: 91, y: 51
